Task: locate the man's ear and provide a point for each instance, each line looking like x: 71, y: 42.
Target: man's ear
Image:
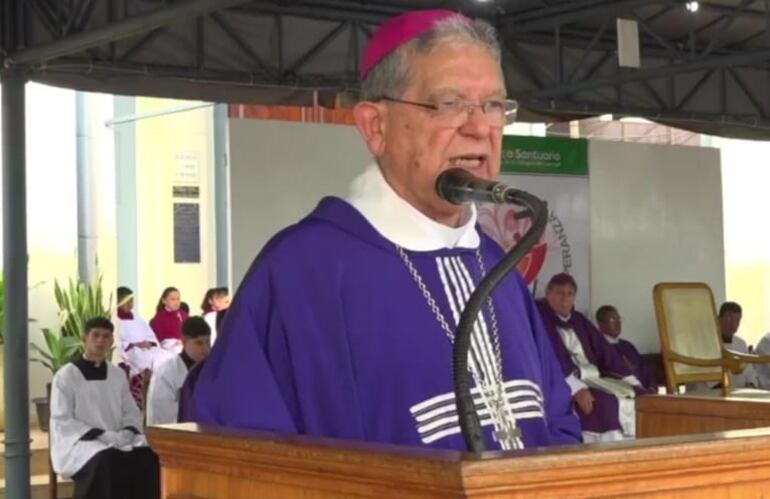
x: 370, y: 118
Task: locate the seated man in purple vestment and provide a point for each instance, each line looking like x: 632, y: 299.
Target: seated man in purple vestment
x: 343, y: 326
x: 603, y: 385
x: 610, y: 324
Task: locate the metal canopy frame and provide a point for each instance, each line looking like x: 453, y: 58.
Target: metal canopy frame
x: 559, y: 55
x: 701, y: 71
x: 708, y: 73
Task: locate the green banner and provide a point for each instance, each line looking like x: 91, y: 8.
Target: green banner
x: 544, y: 155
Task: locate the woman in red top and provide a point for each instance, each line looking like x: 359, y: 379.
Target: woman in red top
x: 168, y: 319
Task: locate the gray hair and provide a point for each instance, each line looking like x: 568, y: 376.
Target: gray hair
x: 391, y: 75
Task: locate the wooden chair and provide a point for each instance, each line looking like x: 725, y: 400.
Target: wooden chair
x: 691, y: 342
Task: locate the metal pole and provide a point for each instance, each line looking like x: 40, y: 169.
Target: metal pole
x: 155, y: 114
x: 87, y: 235
x: 221, y: 198
x: 15, y: 277
x: 126, y: 193
x: 135, y: 25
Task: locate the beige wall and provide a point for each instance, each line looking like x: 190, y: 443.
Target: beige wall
x: 164, y: 145
x: 52, y: 231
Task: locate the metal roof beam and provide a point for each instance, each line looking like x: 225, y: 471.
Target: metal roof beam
x: 724, y: 9
x: 594, y: 108
x: 132, y: 26
x: 737, y: 59
x: 318, y: 12
x: 570, y: 12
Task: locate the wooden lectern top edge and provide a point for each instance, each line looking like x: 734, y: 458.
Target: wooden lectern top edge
x: 171, y: 437
x: 282, y: 458
x: 266, y: 440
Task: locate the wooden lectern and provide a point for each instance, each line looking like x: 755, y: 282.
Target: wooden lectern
x: 208, y: 463
x: 672, y: 415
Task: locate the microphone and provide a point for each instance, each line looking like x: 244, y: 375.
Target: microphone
x: 459, y: 186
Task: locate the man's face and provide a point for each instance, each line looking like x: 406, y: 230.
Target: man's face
x: 561, y: 298
x: 418, y: 147
x: 197, y: 348
x: 611, y: 324
x: 98, y: 342
x: 729, y: 324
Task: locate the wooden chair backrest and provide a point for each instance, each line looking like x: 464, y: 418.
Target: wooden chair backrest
x: 687, y: 325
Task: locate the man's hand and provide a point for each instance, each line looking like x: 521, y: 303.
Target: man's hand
x: 110, y: 438
x: 125, y: 438
x: 585, y: 400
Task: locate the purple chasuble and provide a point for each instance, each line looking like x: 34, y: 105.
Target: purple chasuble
x: 329, y: 335
x: 600, y: 353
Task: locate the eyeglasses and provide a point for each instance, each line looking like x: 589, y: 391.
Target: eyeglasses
x: 614, y: 319
x: 455, y: 112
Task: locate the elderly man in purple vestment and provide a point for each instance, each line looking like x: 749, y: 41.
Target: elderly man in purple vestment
x: 603, y: 385
x: 610, y: 324
x: 343, y: 327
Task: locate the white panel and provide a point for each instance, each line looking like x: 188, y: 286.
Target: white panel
x: 745, y: 177
x: 656, y: 215
x: 278, y: 173
x: 628, y: 43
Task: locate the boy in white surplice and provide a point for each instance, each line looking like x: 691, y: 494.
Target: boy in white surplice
x: 96, y: 427
x: 139, y: 347
x: 167, y: 381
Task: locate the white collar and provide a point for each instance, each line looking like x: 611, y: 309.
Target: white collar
x: 403, y: 224
x: 610, y: 339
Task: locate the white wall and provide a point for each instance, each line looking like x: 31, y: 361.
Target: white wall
x: 278, y: 173
x: 656, y: 211
x: 745, y: 180
x: 656, y: 215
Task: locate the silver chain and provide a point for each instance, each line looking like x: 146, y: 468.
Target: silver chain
x: 494, y: 391
x: 426, y: 294
x: 493, y: 319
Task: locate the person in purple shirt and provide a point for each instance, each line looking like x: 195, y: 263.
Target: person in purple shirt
x: 610, y: 324
x: 602, y: 384
x: 343, y: 326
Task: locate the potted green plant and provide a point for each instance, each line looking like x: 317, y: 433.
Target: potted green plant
x: 58, y: 350
x: 2, y: 349
x: 78, y: 302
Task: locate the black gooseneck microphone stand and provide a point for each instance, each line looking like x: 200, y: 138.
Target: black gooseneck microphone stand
x: 458, y: 186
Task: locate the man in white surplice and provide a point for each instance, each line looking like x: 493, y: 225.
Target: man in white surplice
x: 167, y: 381
x: 96, y: 427
x: 730, y: 315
